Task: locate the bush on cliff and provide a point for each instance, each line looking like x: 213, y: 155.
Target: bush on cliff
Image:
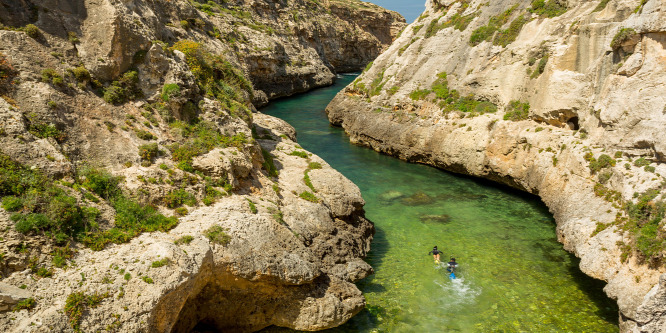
x: 621, y: 36
x: 517, y: 111
x: 216, y: 76
x: 41, y: 206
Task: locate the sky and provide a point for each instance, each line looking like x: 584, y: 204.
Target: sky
x: 410, y: 9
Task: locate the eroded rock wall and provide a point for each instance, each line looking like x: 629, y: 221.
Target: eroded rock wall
x: 267, y: 233
x: 590, y: 88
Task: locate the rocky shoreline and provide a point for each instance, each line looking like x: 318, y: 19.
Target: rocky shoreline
x: 541, y: 100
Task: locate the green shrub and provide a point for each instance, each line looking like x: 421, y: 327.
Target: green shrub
x: 217, y: 77
x: 185, y: 24
x: 187, y: 239
x: 147, y: 279
x: 177, y: 198
x: 650, y: 168
x: 419, y: 94
x: 641, y: 162
x: 76, y: 305
x: 604, y: 161
x: 605, y: 177
x: 149, y: 151
x: 50, y: 75
x: 61, y: 255
x: 517, y: 111
x: 508, y: 36
x: 314, y: 165
x: 299, y: 153
x: 181, y: 211
x: 253, y: 207
x: 160, y: 263
x: 621, y: 36
x: 123, y: 90
x: 551, y: 8
x: 132, y: 219
x: 485, y: 33
x: 308, y: 196
x: 170, y: 90
x: 602, y: 4
x: 269, y: 164
x: 307, y: 181
x: 12, y: 203
x: 217, y: 235
x: 72, y: 37
x: 32, y: 31
x: 144, y: 135
x: 200, y: 138
x: 81, y: 74
x: 26, y: 304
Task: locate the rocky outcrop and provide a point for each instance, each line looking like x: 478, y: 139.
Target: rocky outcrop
x: 534, y: 97
x: 140, y: 191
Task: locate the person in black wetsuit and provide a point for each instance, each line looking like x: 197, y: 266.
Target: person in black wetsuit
x: 435, y: 253
x: 452, y: 264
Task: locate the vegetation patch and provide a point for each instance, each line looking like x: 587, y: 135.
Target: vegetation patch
x: 187, y: 239
x: 26, y: 304
x: 305, y: 195
x: 218, y: 78
x: 177, y: 198
x: 508, y: 36
x: 601, y: 6
x: 450, y: 100
x: 604, y: 161
x: 253, y: 207
x: 299, y: 153
x: 550, y: 8
x: 517, y: 111
x: 622, y: 36
x: 124, y: 89
x: 200, y: 138
x: 486, y: 32
x: 217, y: 235
x: 77, y: 303
x: 269, y: 164
x: 160, y: 263
x: 169, y: 91
x: 144, y: 135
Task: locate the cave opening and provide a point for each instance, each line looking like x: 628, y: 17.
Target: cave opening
x: 573, y: 123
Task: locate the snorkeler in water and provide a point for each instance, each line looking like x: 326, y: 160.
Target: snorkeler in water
x: 435, y: 253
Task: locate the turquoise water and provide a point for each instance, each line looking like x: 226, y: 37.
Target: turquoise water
x: 514, y: 276
x: 410, y: 9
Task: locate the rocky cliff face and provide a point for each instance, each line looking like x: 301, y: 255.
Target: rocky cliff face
x: 140, y: 191
x: 563, y: 99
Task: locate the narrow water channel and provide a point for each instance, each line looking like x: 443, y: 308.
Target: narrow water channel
x: 514, y: 276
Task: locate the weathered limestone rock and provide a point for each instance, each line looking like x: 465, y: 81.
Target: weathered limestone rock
x: 284, y: 261
x: 10, y: 296
x: 584, y: 97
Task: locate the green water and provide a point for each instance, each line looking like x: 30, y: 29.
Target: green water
x: 514, y: 276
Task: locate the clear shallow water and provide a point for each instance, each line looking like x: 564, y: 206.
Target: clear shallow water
x: 410, y: 9
x: 514, y: 276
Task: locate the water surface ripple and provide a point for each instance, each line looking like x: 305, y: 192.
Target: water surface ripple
x: 514, y: 275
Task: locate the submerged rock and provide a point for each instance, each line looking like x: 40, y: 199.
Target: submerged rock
x: 443, y: 218
x: 391, y: 195
x: 417, y: 199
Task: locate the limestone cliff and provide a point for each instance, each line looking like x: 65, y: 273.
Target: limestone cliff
x: 563, y: 99
x: 141, y: 190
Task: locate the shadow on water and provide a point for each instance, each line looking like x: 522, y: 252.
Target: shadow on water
x: 593, y: 288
